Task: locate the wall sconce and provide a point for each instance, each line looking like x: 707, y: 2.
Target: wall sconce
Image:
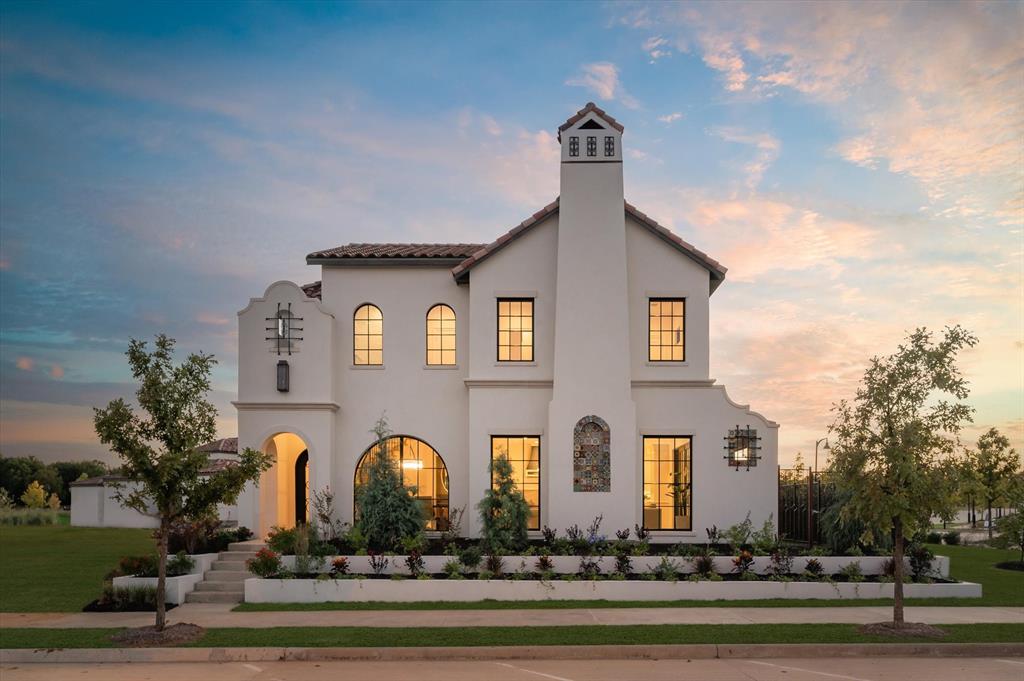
x: 282, y: 376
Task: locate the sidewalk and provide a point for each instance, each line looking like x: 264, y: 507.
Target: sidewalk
x: 219, y: 615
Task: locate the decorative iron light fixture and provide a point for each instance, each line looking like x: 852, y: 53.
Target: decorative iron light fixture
x: 282, y: 332
x: 282, y: 376
x: 741, y: 445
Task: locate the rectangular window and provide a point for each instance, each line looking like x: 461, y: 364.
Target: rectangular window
x: 591, y: 146
x: 668, y: 503
x: 515, y: 329
x: 742, y: 447
x: 523, y: 452
x: 574, y: 146
x: 609, y: 146
x: 665, y: 328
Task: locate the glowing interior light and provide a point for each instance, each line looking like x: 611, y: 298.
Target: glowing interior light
x: 412, y: 464
x: 742, y: 454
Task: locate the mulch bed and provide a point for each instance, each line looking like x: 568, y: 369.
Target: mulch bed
x: 145, y: 637
x: 99, y: 606
x: 908, y: 630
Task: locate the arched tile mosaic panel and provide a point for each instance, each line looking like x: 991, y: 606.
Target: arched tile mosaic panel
x: 591, y: 456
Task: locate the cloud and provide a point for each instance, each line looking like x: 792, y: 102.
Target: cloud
x: 721, y: 55
x: 669, y: 119
x: 948, y: 118
x: 767, y: 151
x: 656, y: 47
x: 57, y: 371
x: 602, y: 78
x: 25, y: 363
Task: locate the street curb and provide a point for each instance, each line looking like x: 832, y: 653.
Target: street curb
x: 470, y: 653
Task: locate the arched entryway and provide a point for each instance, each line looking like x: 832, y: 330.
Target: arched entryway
x: 422, y: 468
x: 284, y: 488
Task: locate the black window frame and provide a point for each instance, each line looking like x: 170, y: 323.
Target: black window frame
x: 609, y: 145
x: 533, y: 329
x: 643, y: 481
x: 574, y: 146
x: 591, y: 145
x: 665, y: 300
x: 540, y: 476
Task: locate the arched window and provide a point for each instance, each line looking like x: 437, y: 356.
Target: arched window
x: 368, y: 336
x: 441, y: 336
x: 422, y: 469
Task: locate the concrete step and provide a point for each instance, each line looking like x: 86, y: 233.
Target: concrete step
x: 220, y: 586
x: 246, y: 546
x: 236, y: 555
x: 215, y: 597
x: 228, y: 565
x: 227, y: 575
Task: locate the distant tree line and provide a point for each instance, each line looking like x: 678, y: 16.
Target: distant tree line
x: 17, y: 473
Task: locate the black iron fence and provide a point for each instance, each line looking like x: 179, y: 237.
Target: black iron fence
x: 803, y: 495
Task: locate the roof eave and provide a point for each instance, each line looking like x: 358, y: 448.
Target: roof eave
x: 352, y: 261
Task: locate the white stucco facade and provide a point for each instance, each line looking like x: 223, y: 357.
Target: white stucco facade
x: 590, y: 264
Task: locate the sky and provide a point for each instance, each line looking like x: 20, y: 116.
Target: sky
x: 857, y: 167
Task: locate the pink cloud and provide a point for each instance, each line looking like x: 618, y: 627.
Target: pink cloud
x: 602, y: 78
x: 57, y: 371
x: 25, y: 363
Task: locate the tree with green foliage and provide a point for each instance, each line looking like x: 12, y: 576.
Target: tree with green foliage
x: 504, y: 512
x: 70, y: 471
x: 34, y: 496
x: 893, y: 446
x: 159, y: 446
x: 387, y: 510
x: 1011, y: 527
x: 18, y: 472
x: 993, y: 469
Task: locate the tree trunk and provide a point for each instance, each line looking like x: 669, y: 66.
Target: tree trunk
x: 161, y: 575
x: 989, y: 519
x: 897, y: 573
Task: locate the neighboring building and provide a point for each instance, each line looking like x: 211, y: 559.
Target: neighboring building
x: 576, y: 344
x: 94, y: 500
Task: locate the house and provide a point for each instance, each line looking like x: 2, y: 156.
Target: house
x: 94, y: 501
x: 575, y: 344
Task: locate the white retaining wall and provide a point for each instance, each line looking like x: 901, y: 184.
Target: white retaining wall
x: 869, y: 565
x: 176, y: 587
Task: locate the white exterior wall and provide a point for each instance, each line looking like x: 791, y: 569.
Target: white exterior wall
x: 428, y: 403
x: 96, y: 506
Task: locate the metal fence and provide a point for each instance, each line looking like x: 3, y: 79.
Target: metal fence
x: 803, y: 495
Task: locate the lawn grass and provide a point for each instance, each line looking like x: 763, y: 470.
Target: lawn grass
x: 515, y: 636
x: 59, y: 568
x: 967, y: 563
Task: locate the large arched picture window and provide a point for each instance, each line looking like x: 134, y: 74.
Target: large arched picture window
x: 368, y: 336
x: 422, y: 469
x: 441, y: 336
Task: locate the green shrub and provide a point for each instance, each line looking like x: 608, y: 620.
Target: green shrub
x: 933, y: 537
x: 852, y: 572
x: 738, y: 535
x: 766, y: 539
x: 28, y: 516
x: 387, y: 511
x: 128, y: 599
x: 282, y: 541
x: 504, y: 513
x: 470, y: 557
x: 951, y: 538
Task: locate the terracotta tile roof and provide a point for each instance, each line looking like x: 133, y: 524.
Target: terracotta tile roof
x: 226, y: 445
x: 313, y: 290
x: 716, y: 269
x: 397, y: 251
x: 583, y: 112
x: 216, y: 466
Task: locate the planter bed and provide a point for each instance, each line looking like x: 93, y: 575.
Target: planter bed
x: 412, y: 590
x: 869, y: 565
x: 176, y: 587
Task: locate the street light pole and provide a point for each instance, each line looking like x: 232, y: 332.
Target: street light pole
x: 825, y: 440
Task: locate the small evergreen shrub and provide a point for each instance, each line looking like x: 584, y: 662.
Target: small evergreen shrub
x: 738, y: 535
x: 504, y: 513
x: 470, y: 557
x: 387, y: 510
x: 852, y: 572
x: 933, y: 537
x: 951, y: 538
